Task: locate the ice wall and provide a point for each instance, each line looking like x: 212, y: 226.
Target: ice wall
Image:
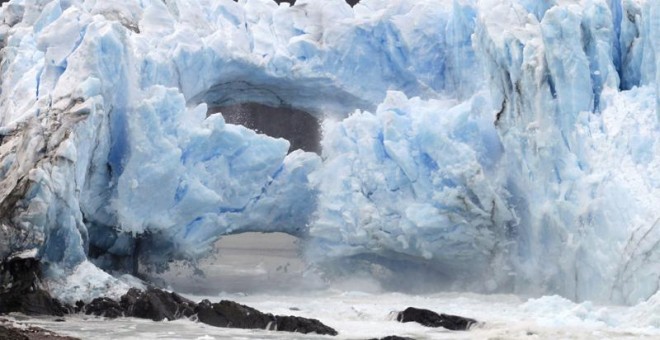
x: 418, y: 179
x: 558, y: 86
x: 555, y: 90
x: 106, y: 152
x: 511, y: 145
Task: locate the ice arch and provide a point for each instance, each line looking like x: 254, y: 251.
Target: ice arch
x: 106, y: 135
x: 121, y: 158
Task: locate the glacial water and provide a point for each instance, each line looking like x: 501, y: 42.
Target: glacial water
x: 250, y: 267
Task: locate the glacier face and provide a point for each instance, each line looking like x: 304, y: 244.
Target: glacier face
x: 513, y: 145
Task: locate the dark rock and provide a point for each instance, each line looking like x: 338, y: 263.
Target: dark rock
x: 302, y: 325
x: 7, y: 333
x: 79, y: 306
x: 156, y: 304
x: 103, y: 307
x: 432, y: 319
x: 19, y: 294
x: 20, y: 289
x: 38, y: 302
x: 393, y: 337
x: 233, y: 315
x: 19, y: 274
x: 186, y: 307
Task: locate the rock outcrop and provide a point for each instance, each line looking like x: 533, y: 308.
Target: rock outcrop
x: 159, y: 305
x: 9, y: 332
x: 102, y: 307
x: 233, y: 315
x: 154, y: 304
x: 432, y: 319
x: 21, y: 289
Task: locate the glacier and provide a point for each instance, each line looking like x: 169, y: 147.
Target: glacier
x: 509, y: 145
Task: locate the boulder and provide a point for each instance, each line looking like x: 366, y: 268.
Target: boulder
x: 302, y: 325
x: 7, y: 333
x: 156, y: 304
x: 20, y: 293
x: 104, y: 307
x: 432, y: 319
x: 234, y: 315
x: 20, y: 289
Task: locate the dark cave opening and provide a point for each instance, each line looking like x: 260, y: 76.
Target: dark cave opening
x: 300, y: 128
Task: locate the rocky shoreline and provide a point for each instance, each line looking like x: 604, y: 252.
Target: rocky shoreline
x: 10, y: 331
x: 22, y: 291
